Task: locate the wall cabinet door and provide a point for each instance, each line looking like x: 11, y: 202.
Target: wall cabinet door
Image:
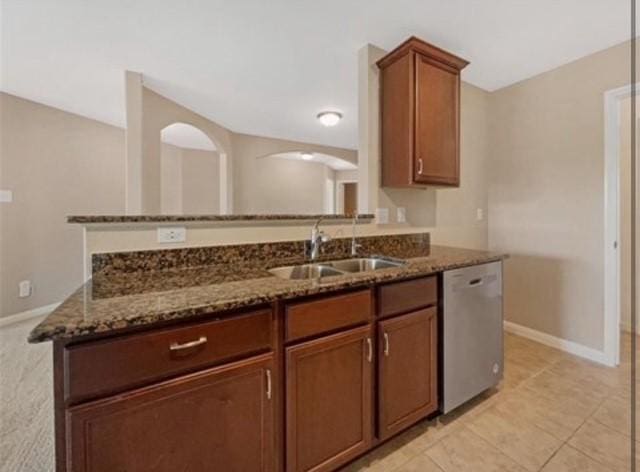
x: 437, y: 124
x: 420, y: 109
x: 408, y: 372
x: 220, y: 419
x: 329, y: 400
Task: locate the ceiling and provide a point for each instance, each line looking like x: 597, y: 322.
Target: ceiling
x: 268, y: 67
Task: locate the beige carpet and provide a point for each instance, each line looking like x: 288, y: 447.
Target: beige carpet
x: 26, y: 402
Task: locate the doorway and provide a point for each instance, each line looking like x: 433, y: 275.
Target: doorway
x: 617, y: 290
x: 347, y: 197
x: 350, y: 198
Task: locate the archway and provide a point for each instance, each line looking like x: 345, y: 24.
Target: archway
x: 190, y: 171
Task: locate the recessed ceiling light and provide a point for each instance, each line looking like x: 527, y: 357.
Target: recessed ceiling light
x: 307, y: 156
x: 329, y: 118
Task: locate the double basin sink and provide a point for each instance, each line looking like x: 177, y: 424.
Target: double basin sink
x: 332, y: 268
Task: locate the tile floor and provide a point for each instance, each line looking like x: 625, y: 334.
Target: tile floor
x: 553, y: 412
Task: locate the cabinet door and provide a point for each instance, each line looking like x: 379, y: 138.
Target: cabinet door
x: 329, y: 400
x: 216, y: 420
x: 436, y: 122
x: 408, y: 372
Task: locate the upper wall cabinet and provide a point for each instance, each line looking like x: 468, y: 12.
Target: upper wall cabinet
x: 420, y: 108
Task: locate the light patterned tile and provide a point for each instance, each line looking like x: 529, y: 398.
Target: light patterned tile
x: 559, y: 418
x: 604, y: 445
x: 615, y: 412
x: 466, y: 451
x: 516, y: 373
x: 390, y: 455
x: 561, y: 388
x: 421, y: 463
x: 568, y: 459
x: 533, y: 358
x: 592, y: 376
x: 516, y: 437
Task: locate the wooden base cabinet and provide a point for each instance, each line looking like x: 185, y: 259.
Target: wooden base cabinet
x: 329, y: 395
x: 407, y: 370
x: 219, y: 419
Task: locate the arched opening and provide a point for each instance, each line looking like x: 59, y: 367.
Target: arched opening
x: 190, y: 172
x: 301, y: 182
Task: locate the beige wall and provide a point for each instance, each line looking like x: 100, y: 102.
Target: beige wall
x: 271, y: 185
x: 201, y: 184
x: 171, y: 180
x: 151, y: 113
x: 546, y: 195
x: 56, y: 164
x: 452, y: 211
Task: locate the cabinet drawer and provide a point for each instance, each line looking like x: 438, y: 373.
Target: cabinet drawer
x: 113, y: 365
x: 401, y: 297
x: 327, y: 314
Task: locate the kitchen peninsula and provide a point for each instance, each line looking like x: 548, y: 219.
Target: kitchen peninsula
x: 185, y: 357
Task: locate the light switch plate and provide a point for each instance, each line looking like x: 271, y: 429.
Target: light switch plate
x: 401, y: 215
x: 176, y: 234
x: 24, y: 289
x: 382, y: 216
x: 480, y: 214
x: 6, y: 196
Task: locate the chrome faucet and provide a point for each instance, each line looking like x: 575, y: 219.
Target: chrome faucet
x: 317, y: 239
x: 354, y: 244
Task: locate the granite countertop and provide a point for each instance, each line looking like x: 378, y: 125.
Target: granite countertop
x: 108, y: 304
x: 105, y: 219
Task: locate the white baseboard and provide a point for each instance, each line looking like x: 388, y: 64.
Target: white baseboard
x: 558, y: 343
x: 28, y: 315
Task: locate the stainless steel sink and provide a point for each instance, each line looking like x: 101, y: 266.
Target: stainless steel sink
x: 306, y: 271
x: 332, y: 268
x: 366, y: 264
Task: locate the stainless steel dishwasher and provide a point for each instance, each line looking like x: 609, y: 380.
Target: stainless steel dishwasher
x: 472, y: 333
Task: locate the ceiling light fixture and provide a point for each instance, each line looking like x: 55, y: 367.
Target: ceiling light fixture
x: 329, y: 118
x: 307, y: 156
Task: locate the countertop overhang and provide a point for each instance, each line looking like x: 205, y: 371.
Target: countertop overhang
x: 210, y: 219
x: 83, y: 315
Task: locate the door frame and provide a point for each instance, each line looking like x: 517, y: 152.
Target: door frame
x: 612, y: 318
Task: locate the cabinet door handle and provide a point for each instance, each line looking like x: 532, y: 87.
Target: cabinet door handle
x: 386, y: 344
x: 268, y: 372
x: 369, y: 350
x: 189, y: 345
x: 420, y: 166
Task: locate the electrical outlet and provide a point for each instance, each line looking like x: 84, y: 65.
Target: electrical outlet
x: 480, y: 214
x: 24, y: 289
x: 382, y: 216
x: 176, y: 234
x: 401, y: 215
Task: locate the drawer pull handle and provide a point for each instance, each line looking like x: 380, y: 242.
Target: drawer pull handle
x: 386, y: 344
x: 369, y: 350
x: 420, y: 166
x: 268, y: 384
x: 189, y: 345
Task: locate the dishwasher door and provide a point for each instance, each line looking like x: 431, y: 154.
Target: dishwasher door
x: 472, y: 331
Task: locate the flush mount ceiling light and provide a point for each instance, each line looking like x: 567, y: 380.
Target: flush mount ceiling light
x: 329, y: 118
x: 307, y: 156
